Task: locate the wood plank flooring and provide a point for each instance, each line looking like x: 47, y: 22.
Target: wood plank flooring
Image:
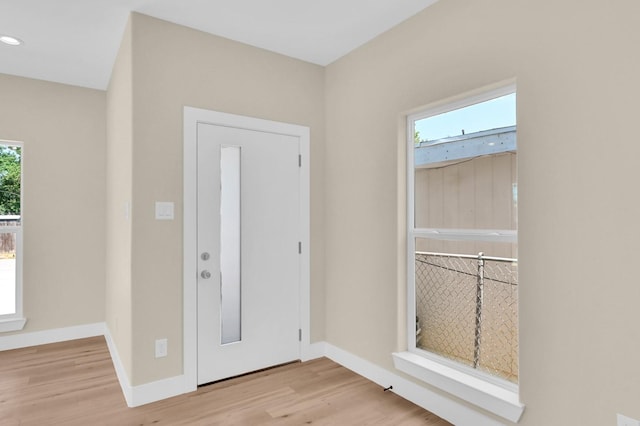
x: 74, y: 383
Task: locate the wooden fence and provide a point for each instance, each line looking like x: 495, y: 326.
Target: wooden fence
x: 8, y: 238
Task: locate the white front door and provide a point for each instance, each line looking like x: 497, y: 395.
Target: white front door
x: 248, y: 233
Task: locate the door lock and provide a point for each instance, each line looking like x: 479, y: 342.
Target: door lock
x: 205, y: 274
x: 205, y: 256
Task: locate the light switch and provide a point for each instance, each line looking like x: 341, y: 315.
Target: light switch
x: 164, y: 210
x: 161, y: 348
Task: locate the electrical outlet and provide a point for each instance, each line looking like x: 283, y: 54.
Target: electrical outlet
x: 627, y: 421
x: 161, y: 348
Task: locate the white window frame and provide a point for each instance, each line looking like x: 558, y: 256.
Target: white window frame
x: 491, y: 393
x: 16, y: 321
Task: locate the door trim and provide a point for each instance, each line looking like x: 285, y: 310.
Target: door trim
x: 193, y: 116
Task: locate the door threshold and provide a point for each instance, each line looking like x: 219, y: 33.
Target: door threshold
x: 250, y: 373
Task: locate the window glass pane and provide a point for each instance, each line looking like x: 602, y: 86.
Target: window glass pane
x: 467, y: 179
x: 10, y: 211
x: 466, y: 307
x: 10, y: 182
x: 492, y: 114
x: 7, y: 272
x: 466, y: 279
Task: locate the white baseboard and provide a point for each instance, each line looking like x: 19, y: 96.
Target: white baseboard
x: 35, y: 338
x: 148, y: 392
x: 447, y: 408
x: 156, y: 391
x: 121, y: 373
x: 134, y: 395
x: 313, y: 351
x: 440, y: 405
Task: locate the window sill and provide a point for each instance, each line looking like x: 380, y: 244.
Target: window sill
x: 491, y: 397
x: 13, y: 324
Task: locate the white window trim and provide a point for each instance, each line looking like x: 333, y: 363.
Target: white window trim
x: 13, y: 324
x: 16, y: 322
x: 465, y: 385
x: 492, y: 394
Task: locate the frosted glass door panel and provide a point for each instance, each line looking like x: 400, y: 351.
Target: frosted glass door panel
x: 230, y: 275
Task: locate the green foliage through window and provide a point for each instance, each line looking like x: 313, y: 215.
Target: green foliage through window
x: 10, y: 179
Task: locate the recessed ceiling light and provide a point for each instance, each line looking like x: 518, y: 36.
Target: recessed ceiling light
x: 12, y: 41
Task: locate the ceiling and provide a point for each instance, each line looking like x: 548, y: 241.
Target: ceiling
x: 76, y: 41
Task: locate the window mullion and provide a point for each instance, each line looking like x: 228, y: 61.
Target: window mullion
x: 490, y: 235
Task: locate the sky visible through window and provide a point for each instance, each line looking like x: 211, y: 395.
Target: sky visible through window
x: 492, y: 114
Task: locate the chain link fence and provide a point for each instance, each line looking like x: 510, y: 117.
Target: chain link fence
x: 467, y: 310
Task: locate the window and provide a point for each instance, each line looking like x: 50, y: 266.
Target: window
x: 11, y: 237
x: 462, y: 248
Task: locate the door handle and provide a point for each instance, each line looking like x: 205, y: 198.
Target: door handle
x: 205, y: 274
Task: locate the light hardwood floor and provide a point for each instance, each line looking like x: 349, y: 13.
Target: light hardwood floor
x: 74, y: 383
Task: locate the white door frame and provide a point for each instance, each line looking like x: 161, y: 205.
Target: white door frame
x: 193, y: 116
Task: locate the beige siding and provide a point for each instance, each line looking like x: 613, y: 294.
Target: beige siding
x: 475, y: 194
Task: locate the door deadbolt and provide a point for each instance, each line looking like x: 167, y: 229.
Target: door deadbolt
x: 205, y: 256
